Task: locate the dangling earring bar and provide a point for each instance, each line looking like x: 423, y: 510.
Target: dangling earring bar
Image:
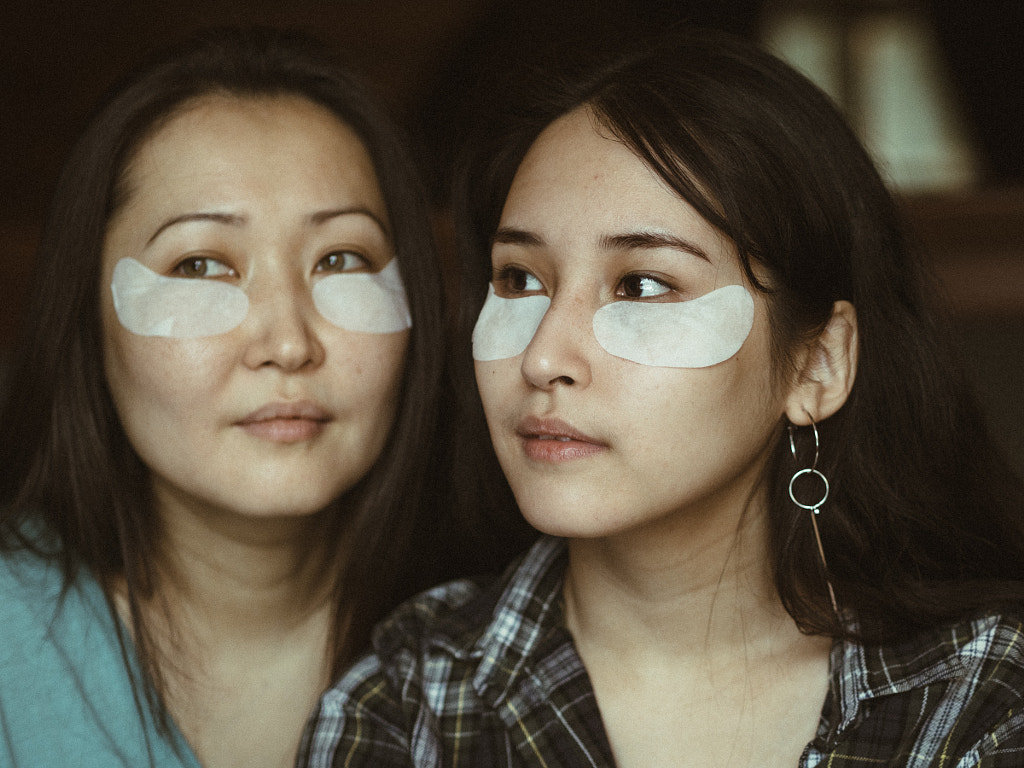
x: 813, y: 508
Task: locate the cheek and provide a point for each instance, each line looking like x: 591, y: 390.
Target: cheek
x: 731, y: 403
x: 666, y: 406
x: 368, y: 364
x: 151, y: 379
x: 493, y: 379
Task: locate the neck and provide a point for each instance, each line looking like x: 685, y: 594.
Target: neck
x: 241, y: 624
x: 224, y: 575
x: 698, y: 588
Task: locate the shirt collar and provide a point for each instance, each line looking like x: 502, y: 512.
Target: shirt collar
x: 862, y: 672
x: 527, y: 612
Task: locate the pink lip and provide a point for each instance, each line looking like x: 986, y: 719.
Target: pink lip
x: 553, y: 440
x: 286, y: 422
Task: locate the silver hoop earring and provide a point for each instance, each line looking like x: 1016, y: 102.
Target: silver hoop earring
x: 815, y: 508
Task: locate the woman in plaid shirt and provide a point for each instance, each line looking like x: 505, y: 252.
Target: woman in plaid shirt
x: 775, y: 530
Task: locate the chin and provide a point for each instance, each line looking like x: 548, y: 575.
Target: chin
x: 566, y: 521
x: 292, y: 505
x: 291, y: 493
x: 279, y: 505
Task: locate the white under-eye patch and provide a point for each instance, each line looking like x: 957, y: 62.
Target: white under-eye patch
x: 506, y: 326
x: 150, y: 304
x: 684, y: 334
x: 371, y: 302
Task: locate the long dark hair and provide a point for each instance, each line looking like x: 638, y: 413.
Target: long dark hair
x: 924, y: 522
x: 73, y: 488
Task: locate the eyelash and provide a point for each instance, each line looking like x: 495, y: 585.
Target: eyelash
x: 198, y: 267
x: 512, y: 281
x: 507, y: 278
x: 642, y: 278
x: 362, y: 261
x: 183, y: 267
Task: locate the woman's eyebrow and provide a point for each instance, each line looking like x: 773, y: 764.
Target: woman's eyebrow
x: 321, y: 217
x: 639, y: 240
x: 230, y: 219
x: 513, y: 236
x: 621, y: 242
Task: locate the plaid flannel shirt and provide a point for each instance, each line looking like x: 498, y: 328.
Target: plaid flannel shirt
x: 471, y: 676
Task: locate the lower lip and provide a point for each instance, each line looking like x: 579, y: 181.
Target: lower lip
x: 559, y: 450
x: 284, y: 430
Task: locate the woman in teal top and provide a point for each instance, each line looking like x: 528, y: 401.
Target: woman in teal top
x: 220, y: 437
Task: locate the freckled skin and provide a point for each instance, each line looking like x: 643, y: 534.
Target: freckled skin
x: 680, y: 446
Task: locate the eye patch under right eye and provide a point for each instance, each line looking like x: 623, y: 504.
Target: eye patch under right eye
x: 150, y: 304
x: 505, y: 327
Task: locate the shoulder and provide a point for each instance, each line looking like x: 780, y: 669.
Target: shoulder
x: 62, y: 667
x: 31, y: 588
x: 973, y: 652
x: 454, y: 619
x: 993, y: 643
x: 369, y: 716
x: 434, y: 661
x: 45, y: 623
x: 981, y: 657
x: 949, y: 696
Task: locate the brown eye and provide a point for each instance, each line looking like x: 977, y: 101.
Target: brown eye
x: 517, y: 280
x: 341, y: 261
x: 641, y: 287
x: 201, y: 266
x: 510, y: 280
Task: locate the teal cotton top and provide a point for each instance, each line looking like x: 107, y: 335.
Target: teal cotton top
x: 66, y: 697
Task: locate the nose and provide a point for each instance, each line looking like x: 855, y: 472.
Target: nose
x: 559, y: 353
x: 282, y: 326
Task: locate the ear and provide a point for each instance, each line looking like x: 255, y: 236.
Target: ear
x: 826, y: 372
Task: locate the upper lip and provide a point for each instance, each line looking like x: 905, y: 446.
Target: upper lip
x: 533, y: 426
x: 303, y: 409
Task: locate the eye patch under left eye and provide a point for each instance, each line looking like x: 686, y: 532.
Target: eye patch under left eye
x: 685, y: 334
x: 371, y: 302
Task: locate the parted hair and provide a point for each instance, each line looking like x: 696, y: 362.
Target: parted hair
x: 925, y: 519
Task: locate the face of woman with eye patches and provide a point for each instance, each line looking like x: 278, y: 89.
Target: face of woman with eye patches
x: 240, y: 392
x: 600, y: 431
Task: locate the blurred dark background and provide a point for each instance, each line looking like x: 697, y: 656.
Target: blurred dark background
x: 433, y: 59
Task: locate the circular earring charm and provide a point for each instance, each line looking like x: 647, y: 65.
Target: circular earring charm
x: 815, y: 473
x: 814, y: 508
